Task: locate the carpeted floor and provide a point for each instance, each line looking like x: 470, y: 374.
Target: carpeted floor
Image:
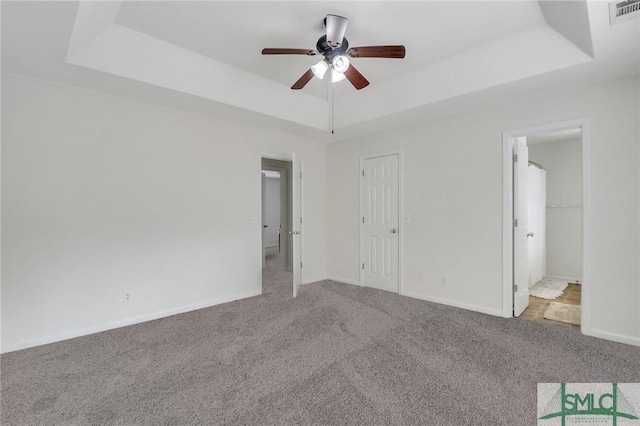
x: 338, y: 354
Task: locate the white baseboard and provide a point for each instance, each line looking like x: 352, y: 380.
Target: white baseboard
x: 469, y: 307
x: 344, y: 280
x: 572, y: 280
x: 130, y: 321
x: 621, y: 338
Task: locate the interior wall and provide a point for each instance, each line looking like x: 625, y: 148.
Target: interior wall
x: 272, y: 211
x: 104, y: 195
x: 452, y: 191
x: 562, y: 161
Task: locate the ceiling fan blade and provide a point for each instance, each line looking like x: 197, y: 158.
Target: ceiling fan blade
x: 336, y: 27
x: 397, y: 52
x: 302, y: 81
x: 357, y: 79
x: 288, y: 52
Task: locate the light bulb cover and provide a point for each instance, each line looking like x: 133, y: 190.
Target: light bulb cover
x: 336, y: 76
x: 319, y: 69
x: 340, y: 63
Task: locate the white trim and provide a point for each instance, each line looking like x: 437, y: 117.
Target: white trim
x: 304, y: 223
x: 621, y: 338
x: 447, y: 302
x: 401, y: 223
x: 507, y: 213
x: 508, y: 143
x: 123, y: 323
x: 344, y: 281
x: 279, y: 157
x: 571, y: 280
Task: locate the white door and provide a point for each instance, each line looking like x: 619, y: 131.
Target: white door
x: 379, y: 226
x: 297, y: 225
x: 537, y: 181
x: 521, y: 228
x: 264, y: 221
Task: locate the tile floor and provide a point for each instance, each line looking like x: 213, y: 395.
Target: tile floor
x: 537, y: 306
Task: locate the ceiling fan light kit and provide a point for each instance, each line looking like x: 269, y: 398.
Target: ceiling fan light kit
x: 335, y: 49
x: 337, y: 76
x: 340, y: 63
x: 320, y: 68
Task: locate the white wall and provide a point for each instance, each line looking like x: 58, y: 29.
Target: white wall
x: 452, y: 176
x: 562, y: 161
x: 103, y: 194
x: 272, y: 211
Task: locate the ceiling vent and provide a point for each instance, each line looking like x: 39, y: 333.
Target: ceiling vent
x: 623, y: 10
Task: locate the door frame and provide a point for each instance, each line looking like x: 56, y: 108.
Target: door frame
x: 290, y: 157
x: 508, y: 138
x: 401, y: 221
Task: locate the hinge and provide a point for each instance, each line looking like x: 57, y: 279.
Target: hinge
x: 300, y: 175
x: 363, y: 266
x: 300, y: 220
x: 515, y: 158
x: 362, y: 219
x: 515, y: 288
x: 363, y: 173
x: 515, y: 223
x: 300, y: 265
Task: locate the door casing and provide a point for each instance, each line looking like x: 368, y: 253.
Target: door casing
x: 508, y: 138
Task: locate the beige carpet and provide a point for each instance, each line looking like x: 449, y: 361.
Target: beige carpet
x: 564, y: 313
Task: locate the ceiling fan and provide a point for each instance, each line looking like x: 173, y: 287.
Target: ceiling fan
x: 335, y: 49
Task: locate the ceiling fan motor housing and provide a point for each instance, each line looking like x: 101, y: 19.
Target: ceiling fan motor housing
x: 328, y: 52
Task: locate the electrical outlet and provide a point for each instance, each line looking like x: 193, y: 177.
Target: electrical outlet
x: 127, y: 296
x: 443, y: 280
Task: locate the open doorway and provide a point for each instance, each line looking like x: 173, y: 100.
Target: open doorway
x: 276, y: 221
x: 546, y: 202
x: 555, y: 227
x: 280, y: 240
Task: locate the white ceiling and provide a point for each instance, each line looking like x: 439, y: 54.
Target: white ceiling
x: 205, y: 56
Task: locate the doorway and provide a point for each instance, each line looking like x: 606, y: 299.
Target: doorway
x: 379, y: 228
x: 546, y: 224
x: 281, y: 243
x: 274, y: 220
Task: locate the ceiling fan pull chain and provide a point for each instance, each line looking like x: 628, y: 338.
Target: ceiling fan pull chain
x: 331, y: 85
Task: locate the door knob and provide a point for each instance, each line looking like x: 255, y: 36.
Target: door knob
x: 393, y: 231
x: 264, y: 226
x: 294, y: 232
x: 530, y: 234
